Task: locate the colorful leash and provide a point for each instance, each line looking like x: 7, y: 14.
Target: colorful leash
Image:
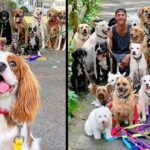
x: 130, y: 136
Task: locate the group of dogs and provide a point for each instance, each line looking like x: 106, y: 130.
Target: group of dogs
x: 28, y: 39
x: 91, y: 57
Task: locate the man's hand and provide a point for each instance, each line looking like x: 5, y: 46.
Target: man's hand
x: 125, y: 61
x: 110, y: 34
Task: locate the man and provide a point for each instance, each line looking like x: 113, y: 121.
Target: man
x: 119, y: 39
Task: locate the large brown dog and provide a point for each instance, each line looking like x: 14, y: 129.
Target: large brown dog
x: 123, y: 101
x: 52, y: 29
x: 144, y: 15
x: 19, y: 25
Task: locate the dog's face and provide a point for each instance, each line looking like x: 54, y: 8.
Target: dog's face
x: 112, y: 78
x: 52, y: 14
x: 3, y: 41
x: 15, y: 37
x: 144, y: 14
x: 32, y: 31
x: 101, y: 48
x: 136, y: 50
x: 83, y: 30
x: 102, y: 93
x: 79, y: 55
x: 38, y: 12
x: 103, y: 116
x: 62, y: 16
x: 19, y: 15
x: 133, y: 20
x: 102, y: 28
x: 4, y: 15
x: 123, y: 86
x: 136, y: 33
x: 145, y: 83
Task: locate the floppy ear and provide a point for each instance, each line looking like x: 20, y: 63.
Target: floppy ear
x: 74, y: 54
x: 93, y: 88
x: 140, y: 12
x: 109, y: 88
x: 27, y: 102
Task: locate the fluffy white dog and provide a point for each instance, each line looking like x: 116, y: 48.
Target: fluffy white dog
x: 99, y: 121
x: 133, y: 20
x: 99, y: 36
x: 144, y: 97
x: 138, y: 65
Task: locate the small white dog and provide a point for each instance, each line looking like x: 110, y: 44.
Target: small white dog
x: 138, y: 65
x: 133, y: 20
x: 80, y: 36
x: 99, y: 36
x: 144, y: 96
x: 38, y: 21
x: 112, y: 78
x: 98, y: 122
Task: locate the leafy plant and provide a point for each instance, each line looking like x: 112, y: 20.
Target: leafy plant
x: 72, y: 102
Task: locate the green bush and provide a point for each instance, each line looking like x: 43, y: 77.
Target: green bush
x: 25, y: 9
x: 12, y: 5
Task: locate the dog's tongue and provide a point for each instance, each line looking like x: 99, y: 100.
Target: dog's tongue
x: 17, y: 19
x: 3, y: 87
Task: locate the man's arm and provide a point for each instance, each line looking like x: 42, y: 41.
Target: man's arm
x: 110, y: 35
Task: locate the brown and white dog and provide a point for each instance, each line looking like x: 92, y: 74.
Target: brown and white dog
x: 80, y: 36
x: 101, y: 93
x: 52, y: 29
x: 38, y: 21
x: 19, y: 25
x: 19, y: 102
x: 3, y: 42
x: 62, y: 31
x: 123, y: 101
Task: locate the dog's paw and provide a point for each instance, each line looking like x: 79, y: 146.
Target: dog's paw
x: 89, y: 133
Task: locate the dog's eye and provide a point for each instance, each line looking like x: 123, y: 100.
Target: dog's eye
x: 105, y: 116
x: 118, y: 84
x: 144, y: 80
x: 146, y: 11
x: 12, y: 64
x: 99, y: 116
x: 124, y: 84
x: 103, y: 90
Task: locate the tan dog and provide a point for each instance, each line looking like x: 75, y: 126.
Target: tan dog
x: 101, y: 93
x: 80, y: 36
x: 123, y: 101
x: 138, y: 36
x: 52, y: 28
x: 62, y: 31
x: 19, y: 25
x: 144, y: 15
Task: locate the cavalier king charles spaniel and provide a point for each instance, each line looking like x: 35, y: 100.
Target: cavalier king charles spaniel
x: 19, y: 102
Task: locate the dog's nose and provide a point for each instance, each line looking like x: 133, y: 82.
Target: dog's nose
x: 134, y: 53
x: 2, y: 66
x: 131, y: 34
x: 120, y: 88
x: 103, y: 122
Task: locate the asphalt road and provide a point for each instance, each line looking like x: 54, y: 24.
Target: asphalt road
x: 50, y: 124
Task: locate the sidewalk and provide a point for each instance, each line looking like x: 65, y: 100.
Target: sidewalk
x: 77, y: 138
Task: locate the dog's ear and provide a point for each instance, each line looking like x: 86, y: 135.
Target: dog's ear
x: 85, y: 53
x: 93, y: 88
x: 140, y: 12
x: 74, y: 54
x: 109, y: 88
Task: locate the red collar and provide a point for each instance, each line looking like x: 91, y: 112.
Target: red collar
x: 4, y: 111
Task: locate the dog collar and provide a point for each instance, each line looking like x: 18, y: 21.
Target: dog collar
x: 148, y: 94
x: 101, y: 36
x: 138, y: 59
x: 3, y: 111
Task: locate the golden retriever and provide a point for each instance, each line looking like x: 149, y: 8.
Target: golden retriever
x: 123, y: 101
x: 144, y: 15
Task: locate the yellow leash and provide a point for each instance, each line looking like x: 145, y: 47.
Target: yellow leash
x: 18, y: 142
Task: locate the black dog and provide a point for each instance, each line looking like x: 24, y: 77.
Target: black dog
x: 112, y: 22
x: 33, y: 42
x: 5, y: 28
x: 102, y: 61
x: 78, y: 78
